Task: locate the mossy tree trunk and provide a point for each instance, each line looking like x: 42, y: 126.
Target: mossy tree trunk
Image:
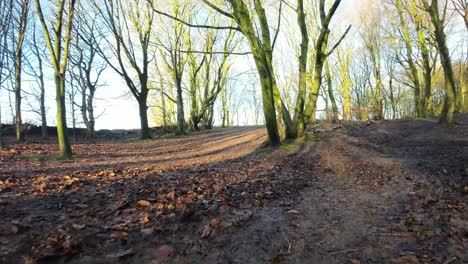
x: 299, y: 119
x: 331, y: 95
x: 59, y: 59
x: 262, y: 54
x: 321, y: 54
x: 450, y: 94
x: 62, y: 133
x: 428, y: 68
x: 412, y: 69
x: 344, y: 61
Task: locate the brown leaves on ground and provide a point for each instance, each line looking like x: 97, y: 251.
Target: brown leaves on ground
x: 187, y: 198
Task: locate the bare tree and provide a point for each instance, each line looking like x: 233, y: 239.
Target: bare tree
x: 35, y: 68
x: 461, y: 6
x: 5, y: 19
x: 59, y: 49
x: 87, y: 66
x: 18, y: 35
x: 130, y: 25
x: 438, y: 22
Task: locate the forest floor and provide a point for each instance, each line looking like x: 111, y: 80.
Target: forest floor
x: 384, y: 192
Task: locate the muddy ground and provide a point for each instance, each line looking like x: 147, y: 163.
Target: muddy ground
x: 385, y: 192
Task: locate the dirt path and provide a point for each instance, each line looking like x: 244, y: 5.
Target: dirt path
x: 391, y: 192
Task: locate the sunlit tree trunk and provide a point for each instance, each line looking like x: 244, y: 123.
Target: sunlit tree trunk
x: 413, y: 70
x: 299, y: 119
x: 59, y: 62
x: 343, y: 64
x: 321, y: 54
x: 334, y: 114
x: 438, y: 23
x: 262, y: 60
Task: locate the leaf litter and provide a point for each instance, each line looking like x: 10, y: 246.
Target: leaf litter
x: 389, y: 191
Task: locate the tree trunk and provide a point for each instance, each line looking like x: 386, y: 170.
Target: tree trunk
x: 18, y: 121
x: 18, y: 65
x: 260, y: 54
x: 299, y: 119
x: 414, y: 75
x: 392, y: 98
x: 143, y: 110
x: 334, y: 117
x: 64, y: 143
x: 44, y: 130
x: 2, y: 143
x: 91, y: 119
x: 464, y: 88
x: 344, y: 70
x: 450, y: 94
x: 269, y: 106
x: 180, y: 110
x: 73, y: 117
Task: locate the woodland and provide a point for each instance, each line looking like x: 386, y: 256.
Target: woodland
x: 269, y: 131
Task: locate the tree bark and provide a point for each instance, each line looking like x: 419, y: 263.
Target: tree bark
x: 143, y: 111
x: 64, y: 143
x: 262, y: 61
x: 299, y: 119
x: 334, y: 117
x: 450, y: 94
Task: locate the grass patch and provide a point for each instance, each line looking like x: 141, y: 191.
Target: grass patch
x: 290, y: 147
x: 263, y: 150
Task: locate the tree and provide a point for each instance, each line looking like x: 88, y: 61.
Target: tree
x: 461, y: 7
x: 202, y: 103
x: 344, y: 61
x: 449, y: 103
x: 36, y: 70
x: 322, y: 51
x: 331, y: 95
x: 299, y: 118
x: 175, y: 59
x: 87, y: 68
x: 413, y: 28
x: 20, y: 19
x: 59, y: 49
x: 124, y: 21
x: 262, y: 50
x: 413, y: 70
x: 5, y: 22
x: 371, y: 35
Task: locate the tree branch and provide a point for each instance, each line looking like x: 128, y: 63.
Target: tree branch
x: 339, y: 41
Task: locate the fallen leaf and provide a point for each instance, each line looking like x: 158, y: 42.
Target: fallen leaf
x: 164, y: 251
x: 120, y: 235
x: 14, y: 229
x: 146, y: 219
x: 143, y: 203
x: 171, y: 195
x: 294, y: 224
x: 209, y: 228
